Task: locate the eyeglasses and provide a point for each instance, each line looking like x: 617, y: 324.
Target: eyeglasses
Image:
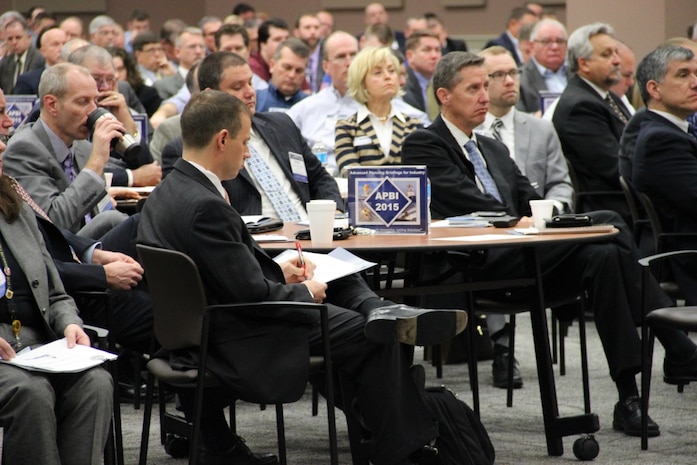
x: 500, y: 76
x: 548, y: 42
x: 151, y: 50
x: 104, y: 81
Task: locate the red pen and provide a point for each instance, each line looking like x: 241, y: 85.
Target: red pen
x: 300, y: 257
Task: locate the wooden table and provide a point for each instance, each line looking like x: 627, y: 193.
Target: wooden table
x: 556, y: 427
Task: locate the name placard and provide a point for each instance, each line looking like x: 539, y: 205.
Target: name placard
x: 388, y: 199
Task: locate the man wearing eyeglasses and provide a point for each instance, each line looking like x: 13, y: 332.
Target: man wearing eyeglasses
x: 546, y: 69
x: 153, y: 64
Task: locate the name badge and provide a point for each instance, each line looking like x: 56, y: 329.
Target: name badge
x: 330, y: 122
x: 297, y: 165
x: 360, y: 141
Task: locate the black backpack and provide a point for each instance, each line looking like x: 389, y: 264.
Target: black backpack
x: 462, y: 439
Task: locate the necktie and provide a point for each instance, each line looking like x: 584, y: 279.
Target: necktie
x: 615, y: 109
x: 68, y: 167
x: 18, y: 70
x: 692, y: 129
x: 496, y: 129
x: 280, y: 201
x: 480, y: 170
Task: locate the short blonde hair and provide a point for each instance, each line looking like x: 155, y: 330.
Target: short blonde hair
x: 365, y: 61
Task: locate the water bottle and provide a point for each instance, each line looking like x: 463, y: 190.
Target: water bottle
x: 320, y: 151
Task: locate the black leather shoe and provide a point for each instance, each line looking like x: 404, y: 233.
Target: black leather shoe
x: 238, y: 454
x: 499, y: 370
x: 414, y: 326
x: 127, y: 392
x: 627, y: 418
x: 427, y: 455
x: 680, y: 373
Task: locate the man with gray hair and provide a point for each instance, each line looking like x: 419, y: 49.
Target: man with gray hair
x: 546, y: 70
x: 471, y: 172
x: 288, y: 70
x: 665, y: 158
x: 189, y: 48
x: 589, y: 119
x: 102, y: 31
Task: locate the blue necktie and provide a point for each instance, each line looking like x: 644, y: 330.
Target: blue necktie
x: 279, y: 199
x: 481, y: 172
x: 68, y: 167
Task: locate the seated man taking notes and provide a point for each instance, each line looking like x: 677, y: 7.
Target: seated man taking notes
x: 190, y: 212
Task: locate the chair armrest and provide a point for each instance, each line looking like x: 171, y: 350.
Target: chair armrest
x: 295, y: 312
x: 647, y: 261
x: 97, y: 335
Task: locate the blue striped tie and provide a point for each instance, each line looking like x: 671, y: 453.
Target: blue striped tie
x: 481, y: 172
x: 279, y: 199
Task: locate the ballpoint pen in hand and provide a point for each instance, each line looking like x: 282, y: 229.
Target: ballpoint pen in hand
x: 301, y: 260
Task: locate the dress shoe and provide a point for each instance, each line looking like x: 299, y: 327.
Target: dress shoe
x: 680, y: 372
x: 238, y: 454
x: 414, y: 326
x: 427, y: 455
x: 499, y: 370
x: 127, y: 393
x: 627, y: 418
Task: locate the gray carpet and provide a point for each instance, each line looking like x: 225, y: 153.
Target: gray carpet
x: 517, y: 432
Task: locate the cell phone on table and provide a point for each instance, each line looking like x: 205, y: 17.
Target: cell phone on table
x: 488, y: 214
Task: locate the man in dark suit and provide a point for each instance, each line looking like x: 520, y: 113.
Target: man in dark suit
x: 664, y: 165
x: 589, y: 119
x: 423, y: 54
x: 608, y: 272
x: 274, y: 137
x: 546, y: 69
x: 23, y: 56
x: 509, y: 38
x: 189, y: 212
x: 49, y: 43
x: 448, y: 44
x: 375, y: 13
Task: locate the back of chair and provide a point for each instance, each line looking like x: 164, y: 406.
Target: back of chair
x: 178, y: 297
x: 654, y: 220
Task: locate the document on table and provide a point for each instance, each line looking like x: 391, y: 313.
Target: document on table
x: 334, y: 265
x: 55, y: 357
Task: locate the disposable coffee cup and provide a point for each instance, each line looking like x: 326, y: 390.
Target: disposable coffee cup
x: 541, y: 212
x: 321, y: 216
x: 108, y: 177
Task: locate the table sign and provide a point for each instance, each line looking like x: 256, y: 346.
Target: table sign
x: 547, y: 98
x: 388, y: 199
x: 19, y: 107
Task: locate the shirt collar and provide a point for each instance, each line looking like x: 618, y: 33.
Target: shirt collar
x: 507, y: 120
x: 59, y: 148
x: 211, y: 177
x: 460, y: 137
x: 543, y: 70
x: 602, y: 92
x: 681, y: 123
x: 363, y: 112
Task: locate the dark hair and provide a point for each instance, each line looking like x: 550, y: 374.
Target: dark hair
x: 10, y: 201
x: 268, y: 24
x: 447, y: 74
x: 654, y: 66
x: 132, y: 74
x: 383, y: 32
x: 171, y: 29
x: 297, y: 46
x: 207, y: 113
x: 415, y: 38
x: 191, y: 79
x: 42, y: 32
x: 518, y: 12
x: 144, y: 38
x: 211, y: 69
x: 139, y: 15
x: 242, y: 8
x: 231, y: 30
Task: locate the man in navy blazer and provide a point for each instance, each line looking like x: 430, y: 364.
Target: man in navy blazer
x: 664, y: 165
x: 509, y: 38
x: 608, y: 272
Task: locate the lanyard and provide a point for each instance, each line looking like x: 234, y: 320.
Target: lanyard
x: 9, y: 294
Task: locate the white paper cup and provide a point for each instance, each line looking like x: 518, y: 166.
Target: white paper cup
x: 321, y: 216
x: 541, y: 211
x: 107, y: 179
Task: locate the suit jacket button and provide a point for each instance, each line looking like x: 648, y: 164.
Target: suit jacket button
x: 43, y: 310
x: 35, y: 283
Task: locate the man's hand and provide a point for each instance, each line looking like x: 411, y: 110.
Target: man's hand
x: 116, y: 103
x: 123, y: 276
x: 75, y: 335
x: 6, y: 350
x: 164, y: 67
x: 147, y: 175
x: 293, y: 271
x: 123, y: 193
x: 104, y: 257
x: 105, y: 130
x: 318, y: 290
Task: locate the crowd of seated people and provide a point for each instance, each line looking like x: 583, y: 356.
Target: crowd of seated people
x: 379, y: 96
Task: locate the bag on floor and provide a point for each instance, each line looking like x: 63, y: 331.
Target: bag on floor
x: 462, y: 439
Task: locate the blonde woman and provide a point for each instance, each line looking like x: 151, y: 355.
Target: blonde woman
x: 373, y: 135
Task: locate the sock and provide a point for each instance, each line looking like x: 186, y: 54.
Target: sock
x: 626, y: 386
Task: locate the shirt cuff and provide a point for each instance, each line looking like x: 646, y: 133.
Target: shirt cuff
x: 129, y: 173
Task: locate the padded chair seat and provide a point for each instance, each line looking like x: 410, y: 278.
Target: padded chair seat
x: 684, y: 318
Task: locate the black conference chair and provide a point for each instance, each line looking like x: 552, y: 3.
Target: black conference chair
x: 682, y: 318
x: 182, y: 319
x: 640, y: 222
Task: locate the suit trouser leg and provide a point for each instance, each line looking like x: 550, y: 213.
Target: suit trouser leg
x: 74, y: 433
x: 388, y: 399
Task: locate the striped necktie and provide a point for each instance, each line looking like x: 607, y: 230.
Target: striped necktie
x: 496, y: 129
x: 279, y: 199
x: 615, y: 108
x: 481, y: 171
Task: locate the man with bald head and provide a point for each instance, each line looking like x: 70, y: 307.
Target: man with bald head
x: 546, y: 70
x: 375, y: 13
x: 626, y: 84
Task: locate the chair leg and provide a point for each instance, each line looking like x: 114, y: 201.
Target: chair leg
x: 555, y: 335
x: 584, y: 360
x: 281, y: 433
x: 511, y: 359
x: 315, y: 401
x: 647, y: 340
x: 563, y: 330
x: 147, y: 415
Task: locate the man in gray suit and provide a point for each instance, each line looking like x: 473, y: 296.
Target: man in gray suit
x: 22, y: 57
x: 546, y: 70
x: 56, y: 165
x: 190, y: 48
x: 534, y: 146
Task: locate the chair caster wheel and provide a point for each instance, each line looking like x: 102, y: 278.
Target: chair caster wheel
x: 586, y: 448
x: 176, y: 446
